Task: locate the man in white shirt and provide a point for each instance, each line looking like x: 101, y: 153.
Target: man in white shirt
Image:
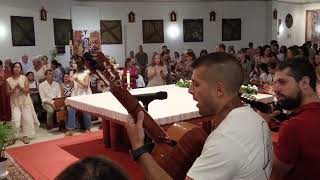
x: 240, y: 148
x: 48, y: 90
x: 26, y: 64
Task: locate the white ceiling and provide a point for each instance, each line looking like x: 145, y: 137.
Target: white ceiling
x: 290, y: 1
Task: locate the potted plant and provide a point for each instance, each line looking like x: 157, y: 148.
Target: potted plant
x: 53, y: 54
x: 6, y: 134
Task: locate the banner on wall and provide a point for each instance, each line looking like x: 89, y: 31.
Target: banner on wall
x: 85, y: 41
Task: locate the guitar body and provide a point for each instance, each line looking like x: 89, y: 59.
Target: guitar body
x: 177, y: 160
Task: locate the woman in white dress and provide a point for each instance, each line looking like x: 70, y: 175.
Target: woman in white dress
x: 23, y: 114
x: 81, y: 86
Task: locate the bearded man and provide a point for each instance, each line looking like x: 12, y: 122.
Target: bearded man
x: 297, y: 153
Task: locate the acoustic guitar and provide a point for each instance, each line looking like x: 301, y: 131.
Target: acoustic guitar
x: 276, y: 121
x: 178, y: 147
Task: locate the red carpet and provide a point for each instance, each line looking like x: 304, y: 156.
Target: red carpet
x: 46, y: 160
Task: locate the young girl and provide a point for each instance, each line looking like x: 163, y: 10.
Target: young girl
x: 66, y: 86
x: 34, y: 92
x: 140, y: 81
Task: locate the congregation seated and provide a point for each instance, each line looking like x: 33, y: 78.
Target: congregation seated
x: 49, y: 89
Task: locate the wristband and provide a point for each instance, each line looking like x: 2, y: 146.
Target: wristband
x: 135, y: 154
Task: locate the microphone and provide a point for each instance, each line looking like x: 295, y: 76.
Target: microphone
x: 149, y: 97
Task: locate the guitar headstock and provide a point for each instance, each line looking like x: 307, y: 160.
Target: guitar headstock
x: 94, y: 62
x: 98, y: 64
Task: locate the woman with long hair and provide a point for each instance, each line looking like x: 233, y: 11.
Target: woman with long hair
x: 157, y: 72
x: 23, y: 114
x: 81, y: 86
x: 266, y: 54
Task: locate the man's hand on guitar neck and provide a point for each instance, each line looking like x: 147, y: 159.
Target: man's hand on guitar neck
x: 152, y: 171
x: 135, y: 131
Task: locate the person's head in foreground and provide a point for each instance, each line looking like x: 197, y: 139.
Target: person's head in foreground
x: 93, y: 168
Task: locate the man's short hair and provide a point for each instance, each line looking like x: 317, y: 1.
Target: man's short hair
x: 93, y: 167
x: 46, y: 72
x: 299, y: 68
x: 222, y: 67
x: 276, y: 45
x: 273, y: 42
x: 251, y: 44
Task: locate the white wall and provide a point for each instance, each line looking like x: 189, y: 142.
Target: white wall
x: 44, y: 36
x: 254, y: 16
x: 294, y: 35
x: 252, y: 13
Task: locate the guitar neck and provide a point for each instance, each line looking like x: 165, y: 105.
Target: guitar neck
x: 265, y: 108
x: 131, y: 104
x: 102, y: 67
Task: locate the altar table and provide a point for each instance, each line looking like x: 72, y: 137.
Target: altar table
x: 179, y: 106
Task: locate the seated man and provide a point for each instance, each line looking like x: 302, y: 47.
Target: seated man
x: 297, y: 153
x: 239, y: 148
x: 48, y: 90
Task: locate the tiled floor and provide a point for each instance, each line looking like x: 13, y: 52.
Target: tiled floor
x: 45, y: 135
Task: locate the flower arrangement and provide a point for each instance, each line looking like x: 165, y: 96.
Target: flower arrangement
x: 183, y: 83
x: 249, y: 89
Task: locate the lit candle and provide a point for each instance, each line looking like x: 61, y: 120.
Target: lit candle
x: 128, y: 78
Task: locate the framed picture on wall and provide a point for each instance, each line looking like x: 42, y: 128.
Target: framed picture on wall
x: 152, y: 31
x: 231, y: 29
x: 313, y: 25
x: 62, y: 31
x: 22, y: 30
x: 111, y: 32
x: 193, y: 30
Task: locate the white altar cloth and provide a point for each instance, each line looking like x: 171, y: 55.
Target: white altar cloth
x: 177, y: 107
